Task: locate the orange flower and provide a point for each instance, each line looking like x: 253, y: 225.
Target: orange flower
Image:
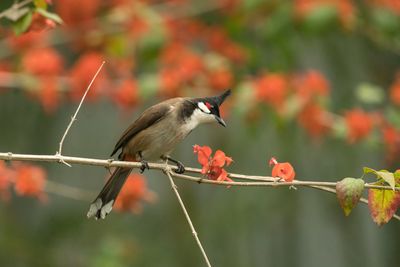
x: 126, y: 95
x: 220, y: 79
x: 359, y: 124
x: 170, y: 82
x: 310, y: 85
x: 42, y: 61
x: 75, y: 12
x: 82, y: 73
x: 283, y: 170
x: 27, y: 40
x: 391, y: 139
x: 218, y: 40
x: 180, y: 65
x: 30, y: 181
x: 272, y: 89
x: 5, y: 180
x: 48, y: 95
x: 395, y: 91
x: 40, y: 23
x: 137, y: 26
x: 315, y: 120
x: 132, y: 193
x: 213, y: 166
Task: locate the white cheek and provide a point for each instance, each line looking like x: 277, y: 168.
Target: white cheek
x: 199, y: 117
x: 203, y: 107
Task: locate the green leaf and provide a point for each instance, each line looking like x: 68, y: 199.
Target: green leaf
x: 149, y: 84
x: 53, y: 16
x: 370, y: 94
x: 23, y: 23
x: 388, y: 177
x: 348, y: 192
x: 385, y: 20
x: 40, y: 3
x: 382, y: 204
x: 321, y: 18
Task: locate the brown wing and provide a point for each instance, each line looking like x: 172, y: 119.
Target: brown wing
x: 149, y: 117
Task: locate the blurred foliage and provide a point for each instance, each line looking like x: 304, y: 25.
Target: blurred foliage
x: 315, y: 83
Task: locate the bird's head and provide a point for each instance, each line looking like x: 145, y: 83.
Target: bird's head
x: 207, y: 108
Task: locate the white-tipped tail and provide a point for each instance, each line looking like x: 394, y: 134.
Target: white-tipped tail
x: 104, y: 202
x: 99, y: 210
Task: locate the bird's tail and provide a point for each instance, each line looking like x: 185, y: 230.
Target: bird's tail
x: 104, y: 202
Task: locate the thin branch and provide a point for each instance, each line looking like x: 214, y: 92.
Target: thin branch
x: 168, y: 172
x: 252, y: 180
x: 59, y: 152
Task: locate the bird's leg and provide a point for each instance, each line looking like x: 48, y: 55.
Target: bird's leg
x: 145, y: 164
x: 181, y: 168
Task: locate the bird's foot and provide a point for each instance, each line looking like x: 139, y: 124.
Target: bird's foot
x: 180, y: 169
x: 145, y: 165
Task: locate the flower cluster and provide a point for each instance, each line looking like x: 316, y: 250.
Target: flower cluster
x: 283, y: 170
x: 213, y: 166
x: 133, y: 193
x: 27, y: 180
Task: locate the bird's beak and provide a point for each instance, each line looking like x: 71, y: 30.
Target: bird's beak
x: 220, y: 121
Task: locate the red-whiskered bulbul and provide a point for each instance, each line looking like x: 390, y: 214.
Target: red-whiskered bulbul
x: 153, y: 136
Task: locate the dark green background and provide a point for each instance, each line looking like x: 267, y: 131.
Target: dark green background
x: 238, y: 226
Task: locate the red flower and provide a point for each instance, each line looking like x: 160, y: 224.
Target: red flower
x: 40, y: 23
x: 272, y: 89
x: 137, y: 26
x: 42, y: 61
x: 30, y: 181
x: 310, y: 85
x: 218, y: 40
x: 180, y: 65
x: 134, y: 191
x: 170, y: 82
x: 315, y: 120
x: 283, y: 170
x: 75, y: 12
x: 27, y: 40
x: 391, y: 139
x: 359, y: 124
x: 220, y: 79
x: 126, y: 95
x: 48, y: 94
x: 82, y: 73
x: 395, y: 91
x: 213, y: 166
x: 5, y: 180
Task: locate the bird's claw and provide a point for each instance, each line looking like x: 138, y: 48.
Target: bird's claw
x: 145, y: 165
x: 180, y: 168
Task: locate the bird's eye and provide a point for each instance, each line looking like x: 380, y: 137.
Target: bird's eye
x: 203, y: 107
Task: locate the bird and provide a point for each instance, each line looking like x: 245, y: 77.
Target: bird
x: 153, y: 136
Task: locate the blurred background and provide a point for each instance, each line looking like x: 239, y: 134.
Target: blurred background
x: 315, y: 83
